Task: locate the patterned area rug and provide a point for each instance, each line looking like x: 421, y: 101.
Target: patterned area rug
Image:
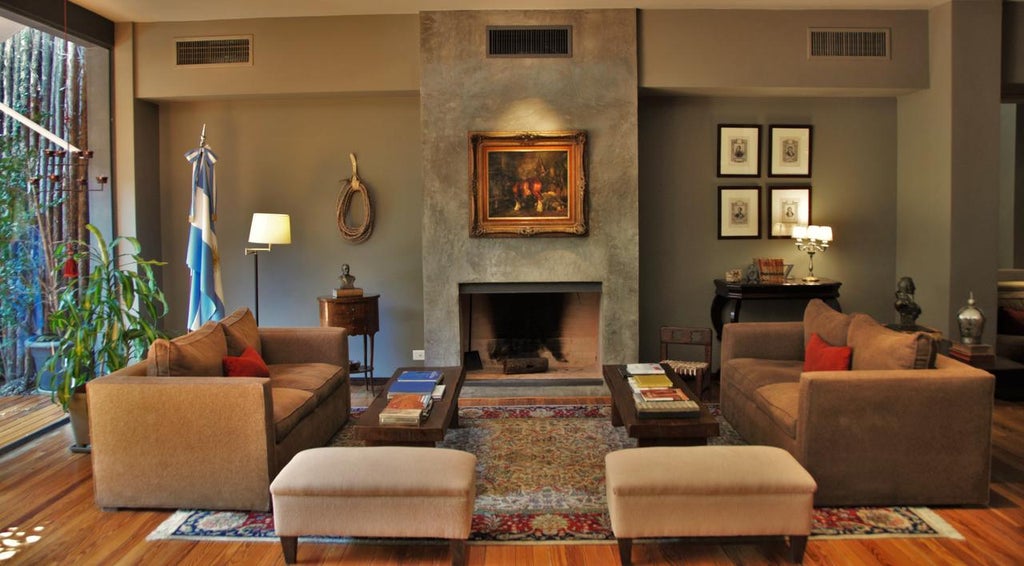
x: 533, y: 486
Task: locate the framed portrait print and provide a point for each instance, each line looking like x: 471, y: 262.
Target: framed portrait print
x: 789, y: 150
x: 788, y: 207
x: 527, y: 184
x: 739, y: 212
x: 739, y: 150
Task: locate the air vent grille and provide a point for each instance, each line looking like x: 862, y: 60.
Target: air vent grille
x: 529, y: 41
x: 860, y: 43
x: 234, y: 50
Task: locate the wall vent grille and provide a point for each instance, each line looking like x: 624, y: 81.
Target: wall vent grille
x: 529, y: 41
x: 197, y: 51
x: 848, y: 43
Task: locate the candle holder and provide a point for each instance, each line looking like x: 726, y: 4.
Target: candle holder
x: 812, y: 239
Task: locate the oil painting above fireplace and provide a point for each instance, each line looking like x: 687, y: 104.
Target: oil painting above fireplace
x: 527, y: 184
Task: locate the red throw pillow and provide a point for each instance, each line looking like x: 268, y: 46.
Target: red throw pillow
x: 820, y: 356
x: 249, y: 364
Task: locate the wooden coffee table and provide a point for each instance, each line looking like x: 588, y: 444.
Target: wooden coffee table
x: 444, y: 414
x: 688, y: 431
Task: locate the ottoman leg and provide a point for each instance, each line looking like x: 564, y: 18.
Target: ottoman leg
x: 458, y: 548
x: 290, y: 546
x: 625, y: 551
x: 797, y: 545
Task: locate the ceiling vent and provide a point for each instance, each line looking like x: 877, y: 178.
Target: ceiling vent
x: 529, y: 41
x: 848, y: 43
x: 205, y: 51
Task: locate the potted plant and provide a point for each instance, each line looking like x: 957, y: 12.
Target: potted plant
x: 104, y: 319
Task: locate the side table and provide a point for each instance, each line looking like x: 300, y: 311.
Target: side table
x: 733, y: 294
x: 1009, y: 377
x: 358, y: 315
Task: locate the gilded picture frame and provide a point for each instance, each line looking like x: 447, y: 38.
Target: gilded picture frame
x: 525, y: 184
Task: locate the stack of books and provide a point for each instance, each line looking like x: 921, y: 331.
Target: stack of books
x: 405, y: 409
x: 418, y: 382
x: 771, y: 269
x: 654, y: 394
x: 973, y: 353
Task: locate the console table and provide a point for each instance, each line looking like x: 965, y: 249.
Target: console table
x: 733, y: 295
x: 358, y: 315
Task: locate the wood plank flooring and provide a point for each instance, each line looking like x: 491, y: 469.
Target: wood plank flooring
x: 46, y: 491
x: 23, y: 416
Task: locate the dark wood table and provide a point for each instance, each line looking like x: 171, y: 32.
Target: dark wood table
x: 733, y: 295
x: 687, y: 431
x: 360, y: 316
x: 443, y: 415
x: 1009, y: 377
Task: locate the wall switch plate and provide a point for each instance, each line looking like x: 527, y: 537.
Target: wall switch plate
x: 419, y: 354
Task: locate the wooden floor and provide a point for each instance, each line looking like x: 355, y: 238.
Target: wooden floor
x: 24, y: 416
x: 46, y: 492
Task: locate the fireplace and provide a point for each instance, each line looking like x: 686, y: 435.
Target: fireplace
x: 510, y: 324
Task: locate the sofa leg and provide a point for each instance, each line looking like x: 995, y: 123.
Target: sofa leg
x: 797, y: 545
x: 458, y: 548
x: 625, y: 551
x: 290, y: 546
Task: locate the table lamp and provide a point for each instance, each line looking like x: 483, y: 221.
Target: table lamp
x: 267, y: 229
x: 812, y: 239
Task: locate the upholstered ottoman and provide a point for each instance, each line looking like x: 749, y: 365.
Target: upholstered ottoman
x: 385, y: 491
x: 699, y: 491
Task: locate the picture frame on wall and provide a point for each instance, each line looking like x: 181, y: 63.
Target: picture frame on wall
x: 739, y: 150
x: 527, y: 184
x: 739, y: 212
x: 789, y: 150
x: 788, y: 207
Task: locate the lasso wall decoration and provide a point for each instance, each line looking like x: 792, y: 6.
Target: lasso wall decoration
x: 351, y: 188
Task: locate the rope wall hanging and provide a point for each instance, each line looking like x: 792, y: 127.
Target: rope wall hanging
x: 352, y: 188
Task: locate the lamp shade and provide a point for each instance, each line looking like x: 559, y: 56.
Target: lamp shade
x: 799, y: 232
x: 820, y: 233
x: 270, y: 229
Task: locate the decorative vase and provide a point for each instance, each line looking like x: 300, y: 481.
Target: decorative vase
x: 971, y: 322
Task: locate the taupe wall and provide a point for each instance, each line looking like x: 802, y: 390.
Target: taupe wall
x: 853, y: 190
x: 289, y: 155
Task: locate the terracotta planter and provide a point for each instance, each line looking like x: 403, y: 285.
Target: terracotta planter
x: 78, y: 411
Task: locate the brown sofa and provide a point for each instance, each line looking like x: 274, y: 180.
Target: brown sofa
x: 173, y: 432
x: 882, y: 433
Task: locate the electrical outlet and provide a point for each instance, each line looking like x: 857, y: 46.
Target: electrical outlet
x: 419, y: 354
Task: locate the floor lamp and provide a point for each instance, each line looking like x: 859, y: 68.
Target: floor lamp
x: 267, y: 229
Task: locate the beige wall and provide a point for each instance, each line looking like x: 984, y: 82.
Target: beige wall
x: 761, y: 51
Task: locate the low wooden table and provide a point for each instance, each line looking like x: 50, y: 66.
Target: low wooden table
x: 444, y: 414
x: 688, y: 431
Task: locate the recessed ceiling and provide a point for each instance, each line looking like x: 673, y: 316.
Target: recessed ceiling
x: 191, y: 10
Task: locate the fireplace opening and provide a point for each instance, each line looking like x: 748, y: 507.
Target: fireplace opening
x: 512, y: 327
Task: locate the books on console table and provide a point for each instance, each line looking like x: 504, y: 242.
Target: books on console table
x: 431, y: 375
x: 405, y: 409
x: 649, y: 382
x: 666, y: 409
x: 645, y: 369
x: 411, y: 387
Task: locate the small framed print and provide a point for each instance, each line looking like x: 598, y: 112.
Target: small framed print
x: 739, y: 150
x: 739, y: 212
x: 788, y: 207
x: 789, y: 150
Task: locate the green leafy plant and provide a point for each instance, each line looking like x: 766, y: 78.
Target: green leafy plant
x: 108, y: 317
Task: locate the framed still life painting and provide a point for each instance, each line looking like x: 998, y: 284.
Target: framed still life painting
x: 739, y: 151
x: 739, y: 212
x: 527, y: 184
x: 789, y: 151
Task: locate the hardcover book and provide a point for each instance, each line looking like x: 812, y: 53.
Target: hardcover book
x: 644, y: 369
x: 432, y: 376
x: 652, y: 381
x: 413, y: 387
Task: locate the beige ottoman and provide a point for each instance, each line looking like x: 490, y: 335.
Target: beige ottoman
x: 699, y: 491
x: 385, y: 491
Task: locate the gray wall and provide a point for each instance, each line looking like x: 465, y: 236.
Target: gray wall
x: 853, y: 190
x: 462, y: 90
x: 289, y: 155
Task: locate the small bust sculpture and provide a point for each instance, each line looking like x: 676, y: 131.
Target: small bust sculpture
x: 905, y: 305
x: 348, y: 281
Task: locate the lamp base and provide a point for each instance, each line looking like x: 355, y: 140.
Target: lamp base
x: 810, y: 279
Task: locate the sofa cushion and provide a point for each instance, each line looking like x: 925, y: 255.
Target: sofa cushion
x: 750, y: 374
x: 317, y: 378
x: 290, y: 406
x: 826, y: 322
x: 198, y: 353
x: 249, y: 364
x: 877, y: 347
x: 241, y: 331
x: 822, y: 356
x: 781, y: 401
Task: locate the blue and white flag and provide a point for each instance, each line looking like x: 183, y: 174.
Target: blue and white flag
x: 206, y: 295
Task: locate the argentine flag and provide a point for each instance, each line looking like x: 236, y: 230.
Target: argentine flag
x: 206, y: 295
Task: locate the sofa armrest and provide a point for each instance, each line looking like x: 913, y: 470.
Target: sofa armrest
x: 181, y: 442
x: 911, y: 432
x: 305, y: 345
x: 764, y: 340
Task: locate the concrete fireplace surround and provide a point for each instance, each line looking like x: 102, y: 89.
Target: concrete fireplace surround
x: 595, y: 90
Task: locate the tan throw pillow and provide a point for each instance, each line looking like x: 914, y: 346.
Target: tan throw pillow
x: 877, y: 347
x: 826, y: 322
x: 241, y: 332
x: 198, y: 353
